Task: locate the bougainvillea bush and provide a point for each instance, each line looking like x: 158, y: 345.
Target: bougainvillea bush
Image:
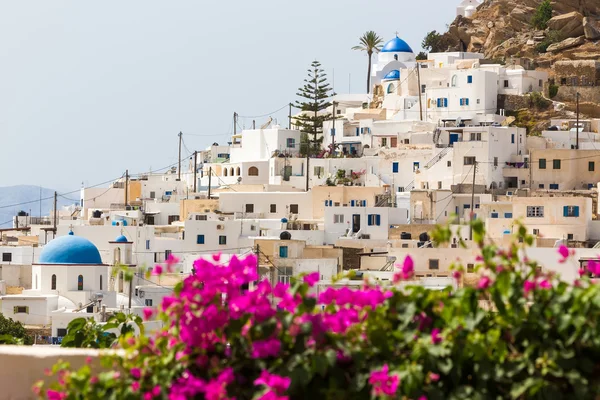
x: 519, y: 332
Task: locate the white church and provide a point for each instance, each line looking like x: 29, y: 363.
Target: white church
x: 70, y: 281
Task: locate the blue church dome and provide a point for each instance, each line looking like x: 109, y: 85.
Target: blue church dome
x: 121, y: 239
x: 70, y: 249
x: 396, y: 45
x: 392, y: 75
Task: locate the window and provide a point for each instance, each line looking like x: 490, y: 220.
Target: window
x: 53, y: 287
x: 554, y: 186
x: 100, y: 282
x: 222, y: 240
x: 535, y: 211
x: 469, y: 161
x: 542, y: 163
x: 571, y: 211
x: 476, y: 136
x: 21, y: 310
x: 200, y: 239
x: 374, y: 219
x: 150, y: 220
x: 249, y: 208
x: 147, y: 244
x: 434, y: 264
x: 273, y: 208
x: 338, y: 111
x: 201, y: 217
x: 469, y: 78
x: 395, y: 167
x: 555, y: 164
x: 252, y: 171
x: 591, y: 166
x: 238, y: 171
x: 454, y: 78
x: 449, y: 163
x: 173, y: 218
x: 508, y: 215
x: 506, y: 83
x: 152, y: 195
x: 540, y: 83
x: 319, y: 171
x: 495, y: 161
x: 415, y: 166
x: 391, y: 88
x: 442, y: 102
x: 291, y: 143
x: 284, y: 274
x: 494, y: 215
x: 478, y: 101
x: 6, y: 257
x: 293, y: 208
x: 536, y: 232
x: 80, y: 282
x: 283, y: 251
x: 338, y: 218
x: 148, y: 302
x: 423, y: 88
x: 512, y: 138
x: 464, y: 101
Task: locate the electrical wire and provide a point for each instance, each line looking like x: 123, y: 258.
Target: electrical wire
x: 264, y: 115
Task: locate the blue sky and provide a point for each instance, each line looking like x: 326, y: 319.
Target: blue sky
x: 89, y: 89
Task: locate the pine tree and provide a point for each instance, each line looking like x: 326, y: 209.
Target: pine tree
x: 315, y: 94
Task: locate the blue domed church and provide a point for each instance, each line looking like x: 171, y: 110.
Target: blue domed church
x: 69, y: 281
x: 395, y: 55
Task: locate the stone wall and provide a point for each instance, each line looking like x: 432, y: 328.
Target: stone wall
x: 511, y: 102
x: 577, y: 73
x: 586, y: 94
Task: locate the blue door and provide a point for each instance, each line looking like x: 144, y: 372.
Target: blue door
x: 453, y: 138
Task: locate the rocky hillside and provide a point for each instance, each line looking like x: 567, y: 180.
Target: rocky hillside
x: 502, y: 29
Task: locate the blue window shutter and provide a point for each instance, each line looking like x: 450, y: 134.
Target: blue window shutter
x: 445, y: 102
x: 326, y: 203
x: 565, y: 211
x: 467, y: 102
x: 351, y: 203
x: 378, y: 220
x: 370, y: 219
x: 283, y: 251
x: 439, y: 102
x: 470, y: 79
x: 512, y: 138
x: 200, y: 239
x: 494, y: 215
x: 357, y: 131
x: 395, y: 167
x: 576, y: 211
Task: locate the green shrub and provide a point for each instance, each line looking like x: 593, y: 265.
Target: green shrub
x: 542, y: 15
x: 553, y: 90
x: 538, y: 101
x: 551, y: 38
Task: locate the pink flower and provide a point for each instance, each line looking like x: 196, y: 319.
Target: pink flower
x: 171, y: 260
x: 56, y: 395
x: 94, y: 380
x: 148, y: 313
x: 484, y: 283
x: 528, y: 286
x: 457, y: 275
x: 581, y: 272
x: 88, y: 360
x: 156, y: 391
x: 136, y: 373
x: 312, y: 279
x: 436, y: 338
x: 266, y: 348
x: 157, y: 270
x: 383, y: 383
x: 422, y: 398
x: 135, y: 386
x: 276, y: 383
x: 148, y: 396
x: 545, y: 284
x: 407, y: 272
x: 434, y: 377
x: 564, y: 252
x: 594, y: 267
x: 216, y: 257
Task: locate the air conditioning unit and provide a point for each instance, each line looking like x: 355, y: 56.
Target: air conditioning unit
x: 220, y: 227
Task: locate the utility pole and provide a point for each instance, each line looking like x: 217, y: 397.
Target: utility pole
x: 235, y: 117
x: 180, y: 139
x: 257, y: 252
x: 253, y: 124
x: 420, y: 91
x: 130, y: 291
x: 333, y: 131
x: 472, y: 203
x: 55, y: 211
x: 307, y: 163
x: 209, y: 176
x: 195, y: 171
x: 126, y: 188
x: 290, y: 117
x: 577, y: 127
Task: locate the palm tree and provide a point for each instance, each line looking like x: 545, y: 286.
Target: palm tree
x: 371, y: 43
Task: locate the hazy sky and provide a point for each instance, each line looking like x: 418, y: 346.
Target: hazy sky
x: 91, y: 88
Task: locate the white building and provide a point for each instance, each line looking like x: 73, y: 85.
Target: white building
x: 467, y: 8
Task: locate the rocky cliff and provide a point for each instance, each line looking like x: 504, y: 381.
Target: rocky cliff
x: 502, y: 29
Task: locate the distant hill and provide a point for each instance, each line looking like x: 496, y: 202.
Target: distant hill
x: 20, y: 194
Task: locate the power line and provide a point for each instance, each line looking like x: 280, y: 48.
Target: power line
x: 264, y: 115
